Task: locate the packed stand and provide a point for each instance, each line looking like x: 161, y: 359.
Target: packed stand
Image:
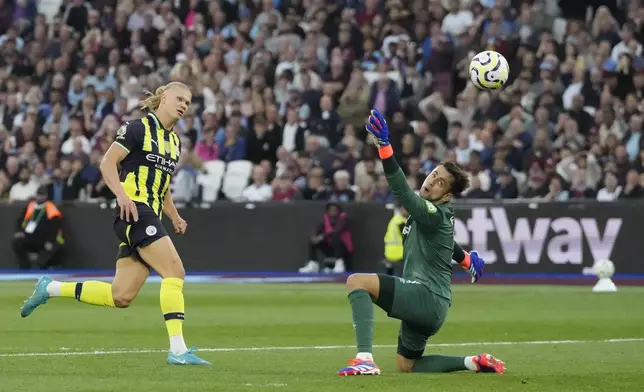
x: 285, y: 86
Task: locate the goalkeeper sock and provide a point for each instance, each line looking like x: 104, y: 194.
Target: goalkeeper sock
x: 173, y: 308
x: 470, y: 364
x: 440, y: 364
x: 91, y: 292
x: 362, y: 311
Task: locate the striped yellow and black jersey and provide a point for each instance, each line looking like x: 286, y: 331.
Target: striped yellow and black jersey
x: 153, y: 154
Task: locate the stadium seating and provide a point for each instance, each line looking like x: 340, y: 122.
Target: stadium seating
x: 427, y: 93
x: 236, y: 179
x: 240, y: 168
x: 211, y: 180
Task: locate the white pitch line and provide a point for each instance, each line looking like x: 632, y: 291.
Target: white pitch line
x: 299, y: 348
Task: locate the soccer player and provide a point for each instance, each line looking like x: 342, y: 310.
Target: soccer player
x: 422, y: 296
x: 148, y: 151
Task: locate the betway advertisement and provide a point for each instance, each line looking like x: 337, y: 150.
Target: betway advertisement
x: 552, y: 238
x: 512, y: 237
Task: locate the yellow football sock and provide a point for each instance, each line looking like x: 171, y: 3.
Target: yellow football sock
x: 68, y: 289
x: 91, y: 292
x: 172, y: 305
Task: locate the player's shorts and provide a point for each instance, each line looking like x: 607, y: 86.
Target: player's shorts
x: 137, y: 234
x: 421, y: 311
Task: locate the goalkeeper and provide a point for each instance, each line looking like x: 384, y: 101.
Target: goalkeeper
x: 422, y: 296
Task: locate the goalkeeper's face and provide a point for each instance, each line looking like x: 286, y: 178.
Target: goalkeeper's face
x: 436, y: 187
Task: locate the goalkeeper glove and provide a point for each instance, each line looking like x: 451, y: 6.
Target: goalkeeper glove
x: 377, y: 126
x: 475, y: 267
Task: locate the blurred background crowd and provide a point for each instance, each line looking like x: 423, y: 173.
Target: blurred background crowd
x: 287, y: 85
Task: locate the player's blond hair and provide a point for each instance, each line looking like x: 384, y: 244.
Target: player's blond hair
x: 152, y: 102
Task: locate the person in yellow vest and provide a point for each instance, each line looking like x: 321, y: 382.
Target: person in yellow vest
x: 394, y: 242
x: 39, y: 231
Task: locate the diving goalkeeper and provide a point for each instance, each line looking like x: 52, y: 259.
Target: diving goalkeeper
x: 422, y: 296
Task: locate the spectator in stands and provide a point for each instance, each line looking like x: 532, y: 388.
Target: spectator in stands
x: 74, y: 185
x: 320, y: 155
x: 259, y: 191
x: 611, y: 189
x: 90, y: 175
x: 385, y: 96
x: 329, y: 126
x: 355, y: 98
x: 343, y: 159
x: 294, y: 132
x: 333, y: 239
x: 296, y: 76
x: 262, y: 142
x: 579, y: 188
x: 286, y: 162
x: 555, y: 192
x: 505, y: 186
x: 353, y: 144
x: 56, y: 186
x: 632, y: 188
x: 341, y: 190
x: 39, y: 231
x: 233, y: 147
x: 537, y: 181
x: 75, y: 136
x: 283, y: 188
x: 382, y: 193
x: 315, y: 188
x: 12, y: 170
x: 366, y: 190
x: 25, y: 188
x: 207, y: 149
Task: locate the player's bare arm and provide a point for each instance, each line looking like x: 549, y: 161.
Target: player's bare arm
x: 170, y: 210
x: 109, y: 169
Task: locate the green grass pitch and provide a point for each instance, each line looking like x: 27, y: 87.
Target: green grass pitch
x: 263, y: 337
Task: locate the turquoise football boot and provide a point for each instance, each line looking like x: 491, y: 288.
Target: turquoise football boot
x: 39, y: 297
x: 187, y: 358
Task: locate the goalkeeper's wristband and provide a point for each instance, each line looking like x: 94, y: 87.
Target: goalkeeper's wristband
x: 385, y: 151
x: 466, y: 262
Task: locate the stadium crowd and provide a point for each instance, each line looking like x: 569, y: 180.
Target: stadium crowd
x: 288, y: 84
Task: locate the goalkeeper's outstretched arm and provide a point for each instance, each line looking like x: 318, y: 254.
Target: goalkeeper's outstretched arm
x: 423, y: 211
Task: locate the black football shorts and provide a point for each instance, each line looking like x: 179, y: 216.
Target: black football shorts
x: 137, y: 234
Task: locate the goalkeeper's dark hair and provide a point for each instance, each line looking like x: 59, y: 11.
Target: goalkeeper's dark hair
x: 461, y: 180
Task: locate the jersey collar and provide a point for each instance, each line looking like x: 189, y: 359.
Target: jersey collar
x: 158, y: 122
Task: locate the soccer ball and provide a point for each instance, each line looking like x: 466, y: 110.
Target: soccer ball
x: 489, y: 70
x: 604, y: 268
